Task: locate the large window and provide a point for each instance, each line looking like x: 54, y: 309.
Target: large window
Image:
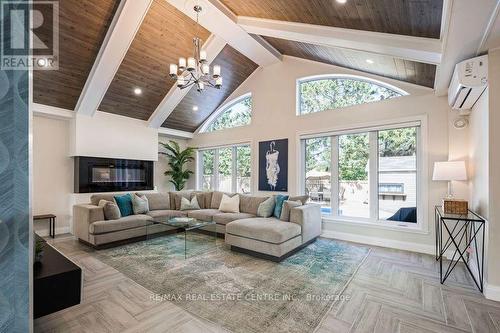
x: 327, y: 93
x: 225, y: 169
x: 234, y: 114
x: 369, y: 175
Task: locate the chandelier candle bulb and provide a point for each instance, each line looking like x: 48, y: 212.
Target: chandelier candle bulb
x: 218, y: 82
x: 182, y: 63
x: 191, y: 64
x: 201, y: 86
x: 216, y: 71
x: 173, y: 70
x: 203, y: 56
x: 205, y: 69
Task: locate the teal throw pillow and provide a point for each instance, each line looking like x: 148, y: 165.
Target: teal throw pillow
x: 280, y: 199
x: 124, y: 203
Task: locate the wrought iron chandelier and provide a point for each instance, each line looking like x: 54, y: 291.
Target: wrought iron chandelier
x: 198, y: 70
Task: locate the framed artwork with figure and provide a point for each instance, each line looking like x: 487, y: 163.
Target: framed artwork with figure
x: 273, y: 165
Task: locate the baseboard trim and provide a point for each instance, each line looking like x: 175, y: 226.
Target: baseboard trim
x: 383, y: 242
x: 60, y: 230
x: 492, y: 292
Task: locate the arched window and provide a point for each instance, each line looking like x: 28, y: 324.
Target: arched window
x: 236, y: 113
x: 322, y: 93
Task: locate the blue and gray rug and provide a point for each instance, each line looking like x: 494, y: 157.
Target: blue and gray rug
x: 237, y: 291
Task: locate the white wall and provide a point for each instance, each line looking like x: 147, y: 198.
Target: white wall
x: 274, y: 116
x: 52, y: 172
x: 110, y: 135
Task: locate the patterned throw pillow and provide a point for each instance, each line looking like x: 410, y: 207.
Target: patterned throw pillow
x: 287, y: 208
x: 124, y: 202
x: 140, y: 204
x: 189, y: 205
x: 110, y: 209
x: 279, y: 205
x: 266, y: 208
x: 230, y: 204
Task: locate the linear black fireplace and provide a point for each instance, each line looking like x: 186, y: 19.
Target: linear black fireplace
x: 96, y: 174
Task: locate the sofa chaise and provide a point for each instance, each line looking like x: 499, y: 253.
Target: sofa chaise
x: 267, y: 237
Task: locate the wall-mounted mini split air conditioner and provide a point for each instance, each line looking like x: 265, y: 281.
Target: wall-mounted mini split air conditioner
x: 469, y: 80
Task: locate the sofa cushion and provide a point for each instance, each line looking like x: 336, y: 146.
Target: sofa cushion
x: 166, y: 212
x: 124, y: 202
x: 230, y: 204
x: 95, y: 198
x: 110, y: 209
x: 217, y: 197
x: 269, y: 230
x: 249, y: 204
x: 225, y: 218
x: 127, y: 222
x: 140, y: 204
x: 266, y: 208
x: 287, y: 207
x: 189, y: 205
x: 301, y: 198
x: 158, y: 201
x: 203, y: 214
x: 280, y: 199
x: 204, y: 199
x: 176, y: 197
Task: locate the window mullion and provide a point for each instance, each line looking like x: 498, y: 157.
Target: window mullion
x: 234, y: 170
x: 334, y: 177
x: 373, y: 174
x: 215, y: 186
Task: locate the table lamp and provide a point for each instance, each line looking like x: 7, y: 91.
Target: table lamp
x: 448, y: 171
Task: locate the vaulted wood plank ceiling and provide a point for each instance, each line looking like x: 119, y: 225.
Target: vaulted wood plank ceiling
x: 165, y: 35
x: 399, y: 69
x: 236, y: 68
x: 82, y: 28
x: 420, y: 18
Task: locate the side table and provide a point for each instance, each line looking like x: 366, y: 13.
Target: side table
x: 52, y: 222
x: 465, y: 236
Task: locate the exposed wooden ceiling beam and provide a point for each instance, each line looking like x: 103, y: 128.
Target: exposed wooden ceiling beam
x: 219, y: 20
x: 213, y: 46
x: 467, y: 24
x: 426, y: 50
x: 121, y: 33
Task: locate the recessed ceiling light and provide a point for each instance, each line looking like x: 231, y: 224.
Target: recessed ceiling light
x: 342, y: 1
x: 369, y: 61
x: 137, y: 91
x: 195, y: 108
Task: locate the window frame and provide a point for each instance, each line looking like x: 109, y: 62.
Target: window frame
x: 215, y: 171
x: 422, y: 225
x: 220, y: 110
x: 334, y: 77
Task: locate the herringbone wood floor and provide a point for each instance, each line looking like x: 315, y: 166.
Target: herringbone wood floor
x: 393, y: 291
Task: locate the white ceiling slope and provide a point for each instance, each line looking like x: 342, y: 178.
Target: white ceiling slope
x: 468, y: 25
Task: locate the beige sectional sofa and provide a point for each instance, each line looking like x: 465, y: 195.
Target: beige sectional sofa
x: 268, y: 237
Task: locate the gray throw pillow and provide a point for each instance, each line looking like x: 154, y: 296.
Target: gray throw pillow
x: 111, y: 210
x: 140, y: 204
x: 301, y: 198
x: 287, y: 207
x: 189, y: 205
x: 266, y: 208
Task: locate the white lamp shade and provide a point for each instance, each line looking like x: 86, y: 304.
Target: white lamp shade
x: 452, y: 170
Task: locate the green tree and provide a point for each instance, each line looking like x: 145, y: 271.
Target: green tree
x: 397, y: 142
x: 326, y: 94
x: 236, y: 115
x: 177, y: 159
x: 353, y: 156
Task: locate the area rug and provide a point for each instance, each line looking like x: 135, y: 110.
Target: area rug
x: 240, y: 292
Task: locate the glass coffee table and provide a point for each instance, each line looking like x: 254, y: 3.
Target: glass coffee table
x: 199, y: 236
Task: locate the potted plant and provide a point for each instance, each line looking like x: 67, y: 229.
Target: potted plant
x: 177, y: 159
x: 38, y: 252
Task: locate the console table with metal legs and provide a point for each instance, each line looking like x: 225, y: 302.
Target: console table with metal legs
x: 464, y: 235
